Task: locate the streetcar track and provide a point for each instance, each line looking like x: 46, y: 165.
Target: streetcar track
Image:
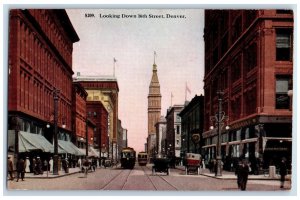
x: 111, y: 181
x: 115, y: 177
x: 149, y: 177
x: 162, y: 179
x: 127, y: 178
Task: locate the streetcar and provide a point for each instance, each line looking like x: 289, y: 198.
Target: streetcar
x: 128, y: 158
x: 142, y: 158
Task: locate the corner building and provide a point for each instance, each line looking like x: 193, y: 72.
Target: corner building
x: 40, y: 63
x: 249, y: 57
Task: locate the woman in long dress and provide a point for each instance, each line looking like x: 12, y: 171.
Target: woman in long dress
x: 27, y: 163
x: 51, y: 165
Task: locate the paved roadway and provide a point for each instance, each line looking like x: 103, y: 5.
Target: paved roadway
x: 141, y: 179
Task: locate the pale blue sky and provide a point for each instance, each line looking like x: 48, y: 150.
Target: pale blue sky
x: 178, y: 43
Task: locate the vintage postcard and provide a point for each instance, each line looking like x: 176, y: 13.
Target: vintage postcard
x: 185, y: 99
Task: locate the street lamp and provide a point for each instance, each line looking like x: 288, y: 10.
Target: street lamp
x: 16, y: 125
x: 219, y: 119
x: 86, y: 137
x: 55, y: 157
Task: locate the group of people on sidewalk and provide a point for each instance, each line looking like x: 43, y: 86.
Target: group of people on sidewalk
x: 242, y: 172
x: 20, y: 168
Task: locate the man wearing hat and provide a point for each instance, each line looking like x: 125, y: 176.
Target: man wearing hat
x: 10, y: 168
x: 282, y: 171
x: 21, y: 169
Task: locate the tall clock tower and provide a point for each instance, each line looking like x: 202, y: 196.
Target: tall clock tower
x: 154, y: 101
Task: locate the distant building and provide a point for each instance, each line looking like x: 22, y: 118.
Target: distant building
x: 79, y: 112
x: 192, y: 122
x: 160, y: 131
x: 104, y: 89
x: 151, y: 141
x: 154, y: 104
x: 125, y: 140
x: 249, y: 57
x: 122, y: 138
x: 173, y: 131
x: 98, y: 113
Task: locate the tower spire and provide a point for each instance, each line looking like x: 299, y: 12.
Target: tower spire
x: 154, y: 65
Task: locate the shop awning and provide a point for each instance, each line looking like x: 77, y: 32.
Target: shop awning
x: 30, y: 142
x: 94, y: 152
x: 70, y: 148
x: 91, y: 152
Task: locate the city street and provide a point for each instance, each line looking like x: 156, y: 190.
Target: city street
x: 142, y: 179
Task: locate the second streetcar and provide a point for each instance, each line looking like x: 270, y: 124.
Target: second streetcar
x: 142, y: 158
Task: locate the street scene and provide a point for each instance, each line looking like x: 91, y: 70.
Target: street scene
x: 150, y: 100
x: 141, y: 178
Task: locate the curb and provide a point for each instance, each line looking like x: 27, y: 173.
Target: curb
x: 235, y: 178
x: 50, y: 176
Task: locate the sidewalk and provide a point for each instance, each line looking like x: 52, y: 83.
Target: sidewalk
x: 231, y: 175
x: 50, y: 175
x: 62, y: 173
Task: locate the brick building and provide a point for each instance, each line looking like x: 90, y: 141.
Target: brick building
x: 104, y: 89
x: 79, y: 115
x: 248, y: 56
x: 40, y: 62
x: 97, y: 112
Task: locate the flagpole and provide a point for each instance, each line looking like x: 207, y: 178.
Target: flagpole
x: 185, y: 92
x: 114, y: 65
x: 171, y: 98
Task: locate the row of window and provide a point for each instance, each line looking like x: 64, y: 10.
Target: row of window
x: 39, y: 58
x: 281, y: 100
x: 54, y: 33
x: 284, y: 52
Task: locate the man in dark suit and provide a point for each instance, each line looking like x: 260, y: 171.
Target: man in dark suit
x: 21, y: 169
x: 10, y: 168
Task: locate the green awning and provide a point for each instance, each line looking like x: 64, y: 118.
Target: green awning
x: 30, y: 142
x: 70, y: 148
x: 91, y: 152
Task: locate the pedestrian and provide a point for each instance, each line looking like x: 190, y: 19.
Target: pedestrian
x: 51, y: 165
x: 79, y: 164
x: 203, y: 163
x: 282, y: 171
x: 45, y: 165
x: 243, y: 172
x: 33, y: 167
x: 10, y: 168
x: 39, y: 166
x: 237, y: 173
x: 86, y: 166
x: 59, y: 163
x: 65, y: 164
x: 21, y: 165
x: 27, y: 162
